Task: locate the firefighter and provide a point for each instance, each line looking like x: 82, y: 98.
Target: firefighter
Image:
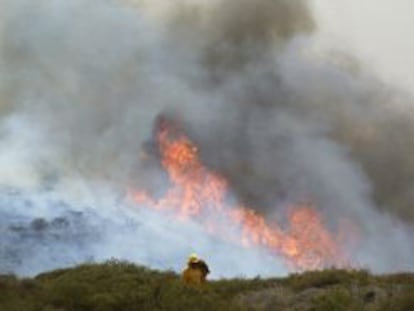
x: 196, y: 271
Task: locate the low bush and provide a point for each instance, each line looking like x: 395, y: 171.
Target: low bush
x: 326, y: 278
x: 117, y: 285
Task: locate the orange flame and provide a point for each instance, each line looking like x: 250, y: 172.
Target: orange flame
x: 201, y: 195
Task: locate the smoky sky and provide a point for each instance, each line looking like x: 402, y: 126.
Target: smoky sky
x: 82, y: 83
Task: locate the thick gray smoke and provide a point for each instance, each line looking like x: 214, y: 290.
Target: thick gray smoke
x: 82, y: 82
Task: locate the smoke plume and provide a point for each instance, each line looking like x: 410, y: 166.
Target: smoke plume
x: 82, y: 83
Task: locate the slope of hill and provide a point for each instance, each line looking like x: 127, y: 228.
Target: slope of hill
x: 116, y: 285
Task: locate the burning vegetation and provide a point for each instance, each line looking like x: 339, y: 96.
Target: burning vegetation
x: 198, y: 194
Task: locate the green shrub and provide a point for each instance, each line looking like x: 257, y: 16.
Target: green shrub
x: 117, y: 285
x: 403, y: 301
x: 335, y: 299
x: 322, y: 279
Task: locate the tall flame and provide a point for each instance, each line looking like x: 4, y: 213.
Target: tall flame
x: 202, y: 195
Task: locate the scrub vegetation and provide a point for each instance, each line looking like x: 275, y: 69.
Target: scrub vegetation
x: 117, y: 285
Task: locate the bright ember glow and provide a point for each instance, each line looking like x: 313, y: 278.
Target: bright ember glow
x: 202, y: 195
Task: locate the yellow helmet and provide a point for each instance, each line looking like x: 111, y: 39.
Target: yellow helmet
x: 193, y: 258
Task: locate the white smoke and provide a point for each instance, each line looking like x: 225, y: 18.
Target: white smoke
x: 81, y: 83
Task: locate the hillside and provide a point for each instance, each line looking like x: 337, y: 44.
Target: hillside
x: 124, y: 286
